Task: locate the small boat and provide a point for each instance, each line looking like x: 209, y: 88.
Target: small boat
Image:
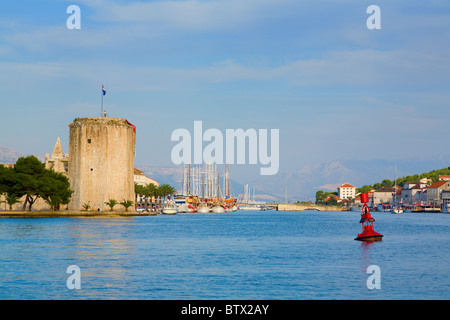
x: 169, y: 207
x: 182, y: 208
x: 203, y: 208
x: 218, y: 209
x: 385, y: 207
x: 397, y: 210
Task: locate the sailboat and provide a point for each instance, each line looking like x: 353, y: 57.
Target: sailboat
x: 395, y: 208
x: 218, y: 208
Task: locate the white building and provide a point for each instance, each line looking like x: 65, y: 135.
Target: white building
x: 346, y: 191
x: 141, y: 179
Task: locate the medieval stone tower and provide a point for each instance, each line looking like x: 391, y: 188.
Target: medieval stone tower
x: 101, y: 162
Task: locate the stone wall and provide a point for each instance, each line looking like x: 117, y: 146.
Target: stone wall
x: 101, y: 162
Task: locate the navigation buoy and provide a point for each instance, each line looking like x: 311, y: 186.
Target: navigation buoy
x: 368, y: 233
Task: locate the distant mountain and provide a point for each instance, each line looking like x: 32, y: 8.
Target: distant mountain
x: 304, y: 183
x: 9, y: 155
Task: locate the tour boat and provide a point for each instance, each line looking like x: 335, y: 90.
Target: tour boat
x: 169, y: 207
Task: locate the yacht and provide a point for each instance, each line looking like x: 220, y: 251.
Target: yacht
x: 203, y: 208
x: 169, y: 207
x: 218, y: 209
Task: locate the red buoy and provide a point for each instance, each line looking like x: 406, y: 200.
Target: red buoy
x: 368, y: 233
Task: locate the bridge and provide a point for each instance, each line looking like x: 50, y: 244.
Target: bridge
x: 303, y: 207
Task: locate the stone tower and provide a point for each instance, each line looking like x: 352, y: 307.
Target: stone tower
x: 59, y: 161
x: 101, y: 162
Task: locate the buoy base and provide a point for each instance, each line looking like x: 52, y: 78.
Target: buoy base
x: 369, y: 235
x: 373, y: 238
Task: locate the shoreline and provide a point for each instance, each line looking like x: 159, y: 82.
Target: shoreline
x: 65, y: 213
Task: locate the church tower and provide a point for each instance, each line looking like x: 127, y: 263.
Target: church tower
x: 59, y: 161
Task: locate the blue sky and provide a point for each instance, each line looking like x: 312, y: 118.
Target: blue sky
x: 312, y: 69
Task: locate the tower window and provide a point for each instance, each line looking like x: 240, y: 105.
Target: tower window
x: 89, y: 140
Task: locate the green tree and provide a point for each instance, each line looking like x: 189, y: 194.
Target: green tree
x: 54, y: 189
x: 364, y: 189
x: 127, y: 204
x: 12, y: 199
x: 29, y: 179
x: 150, y: 192
x: 321, y: 195
x: 8, y: 185
x: 138, y: 191
x: 111, y: 203
x: 387, y: 183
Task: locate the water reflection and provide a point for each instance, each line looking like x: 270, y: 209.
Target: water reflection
x: 104, y: 249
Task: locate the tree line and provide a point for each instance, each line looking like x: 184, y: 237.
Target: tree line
x: 31, y: 179
x: 433, y: 175
x: 152, y: 192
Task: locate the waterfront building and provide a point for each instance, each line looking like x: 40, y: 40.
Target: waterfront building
x: 141, y: 179
x: 384, y: 195
x: 444, y: 178
x: 346, y: 191
x: 332, y: 196
x: 101, y: 161
x: 410, y: 190
x: 434, y: 192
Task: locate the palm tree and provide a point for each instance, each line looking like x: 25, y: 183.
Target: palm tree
x: 111, y: 203
x: 150, y: 191
x: 166, y: 191
x: 138, y: 190
x: 11, y: 199
x: 126, y: 204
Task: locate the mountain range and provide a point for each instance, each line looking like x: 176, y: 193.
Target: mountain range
x: 301, y: 184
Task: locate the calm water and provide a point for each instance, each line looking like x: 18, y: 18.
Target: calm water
x: 241, y: 255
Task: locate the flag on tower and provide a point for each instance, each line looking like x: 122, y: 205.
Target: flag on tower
x: 103, y: 90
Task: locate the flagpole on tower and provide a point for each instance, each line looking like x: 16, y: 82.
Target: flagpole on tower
x: 101, y: 113
x: 103, y: 93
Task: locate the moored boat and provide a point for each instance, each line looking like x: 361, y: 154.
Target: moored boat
x: 218, y: 209
x: 203, y: 208
x: 169, y: 208
x: 397, y: 210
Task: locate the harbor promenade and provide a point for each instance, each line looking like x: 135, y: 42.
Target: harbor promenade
x: 67, y: 213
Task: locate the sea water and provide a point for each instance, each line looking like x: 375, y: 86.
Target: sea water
x: 251, y: 255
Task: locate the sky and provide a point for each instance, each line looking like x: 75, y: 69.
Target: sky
x: 312, y: 69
